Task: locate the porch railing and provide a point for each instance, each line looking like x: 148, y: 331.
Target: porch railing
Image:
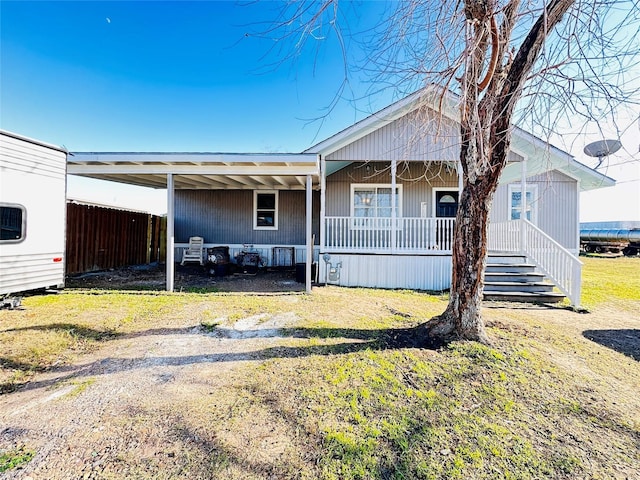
x: 378, y: 234
x: 562, y: 267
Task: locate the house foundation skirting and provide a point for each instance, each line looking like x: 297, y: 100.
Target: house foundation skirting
x: 415, y: 272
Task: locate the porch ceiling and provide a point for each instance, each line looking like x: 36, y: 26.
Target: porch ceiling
x: 198, y: 170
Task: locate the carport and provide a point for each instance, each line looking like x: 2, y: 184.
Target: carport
x: 213, y: 171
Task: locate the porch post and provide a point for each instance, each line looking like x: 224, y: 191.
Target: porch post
x: 309, y: 234
x: 577, y: 238
x: 323, y: 199
x: 170, y: 226
x: 460, y: 182
x: 523, y: 206
x: 394, y: 168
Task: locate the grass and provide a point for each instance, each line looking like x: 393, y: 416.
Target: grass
x: 469, y: 411
x: 339, y: 400
x: 611, y: 281
x: 15, y: 458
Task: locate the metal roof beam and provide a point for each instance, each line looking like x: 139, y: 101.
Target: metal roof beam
x: 128, y: 169
x: 193, y: 158
x: 259, y: 179
x: 281, y: 181
x: 241, y: 180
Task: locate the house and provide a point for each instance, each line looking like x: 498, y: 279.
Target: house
x: 373, y: 205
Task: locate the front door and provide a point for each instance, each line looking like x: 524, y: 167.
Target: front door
x: 446, y: 203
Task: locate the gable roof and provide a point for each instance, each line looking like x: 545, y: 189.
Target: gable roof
x: 541, y: 156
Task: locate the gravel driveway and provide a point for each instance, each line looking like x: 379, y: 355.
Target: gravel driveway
x: 88, y: 419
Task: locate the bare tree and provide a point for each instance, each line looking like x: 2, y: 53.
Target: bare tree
x: 535, y: 62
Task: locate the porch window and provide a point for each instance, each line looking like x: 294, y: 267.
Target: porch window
x: 515, y: 202
x: 12, y: 223
x: 373, y: 201
x: 265, y: 210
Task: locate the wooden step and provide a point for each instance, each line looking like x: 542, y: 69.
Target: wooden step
x: 509, y: 278
x: 539, y: 287
x: 523, y: 297
x: 505, y: 258
x: 510, y: 268
x: 532, y: 277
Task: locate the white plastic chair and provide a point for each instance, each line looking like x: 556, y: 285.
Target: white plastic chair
x: 194, y: 252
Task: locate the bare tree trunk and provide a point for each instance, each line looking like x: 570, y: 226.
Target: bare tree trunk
x: 462, y: 318
x: 485, y: 128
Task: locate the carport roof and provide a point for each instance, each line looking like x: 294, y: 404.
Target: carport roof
x: 198, y: 170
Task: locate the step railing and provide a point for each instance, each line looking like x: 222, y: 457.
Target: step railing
x: 557, y: 263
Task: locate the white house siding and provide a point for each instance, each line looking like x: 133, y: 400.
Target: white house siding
x: 225, y: 217
x: 416, y: 272
x: 557, y: 205
x: 417, y: 180
x: 34, y: 176
x: 419, y: 135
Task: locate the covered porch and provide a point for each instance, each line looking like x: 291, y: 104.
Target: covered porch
x: 208, y: 172
x: 396, y: 207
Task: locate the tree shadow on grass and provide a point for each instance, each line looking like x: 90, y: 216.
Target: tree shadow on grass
x: 28, y: 368
x: 355, y: 340
x: 71, y: 328
x: 625, y: 341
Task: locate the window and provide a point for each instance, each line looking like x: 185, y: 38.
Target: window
x: 265, y: 210
x: 445, y: 202
x: 374, y: 201
x: 13, y: 223
x: 515, y: 202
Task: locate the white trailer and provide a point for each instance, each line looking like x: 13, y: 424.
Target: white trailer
x: 32, y: 216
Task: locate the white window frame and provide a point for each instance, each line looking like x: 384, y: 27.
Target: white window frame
x: 532, y: 205
x: 23, y: 226
x: 255, y: 210
x: 375, y: 186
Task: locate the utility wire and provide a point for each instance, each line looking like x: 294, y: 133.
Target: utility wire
x: 633, y: 160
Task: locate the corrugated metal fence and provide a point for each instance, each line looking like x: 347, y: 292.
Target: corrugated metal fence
x: 100, y: 238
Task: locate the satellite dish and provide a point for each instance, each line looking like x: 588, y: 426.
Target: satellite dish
x: 602, y: 149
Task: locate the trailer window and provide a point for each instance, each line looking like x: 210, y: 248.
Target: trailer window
x: 12, y: 223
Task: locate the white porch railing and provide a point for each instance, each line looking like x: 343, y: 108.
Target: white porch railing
x: 378, y: 235
x: 562, y: 267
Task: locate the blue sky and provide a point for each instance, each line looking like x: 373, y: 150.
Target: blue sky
x: 159, y: 76
x: 180, y: 76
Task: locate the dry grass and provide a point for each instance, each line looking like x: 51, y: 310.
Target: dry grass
x: 555, y: 396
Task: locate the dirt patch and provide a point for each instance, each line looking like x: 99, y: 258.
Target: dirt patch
x: 187, y: 278
x: 116, y: 408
